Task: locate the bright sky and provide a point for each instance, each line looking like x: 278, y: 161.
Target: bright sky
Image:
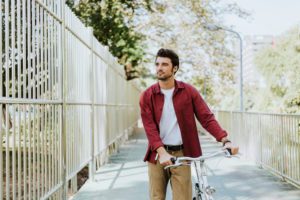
x: 271, y: 17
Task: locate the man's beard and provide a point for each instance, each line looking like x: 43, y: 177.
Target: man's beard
x: 164, y: 78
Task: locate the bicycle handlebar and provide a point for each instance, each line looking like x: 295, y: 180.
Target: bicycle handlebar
x: 178, y: 161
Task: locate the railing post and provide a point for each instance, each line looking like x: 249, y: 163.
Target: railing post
x: 92, y: 90
x: 281, y: 147
x: 63, y: 93
x: 261, y: 140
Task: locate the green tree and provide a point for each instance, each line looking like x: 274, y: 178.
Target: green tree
x: 112, y: 23
x: 280, y: 67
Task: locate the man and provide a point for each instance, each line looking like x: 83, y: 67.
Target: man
x: 168, y: 110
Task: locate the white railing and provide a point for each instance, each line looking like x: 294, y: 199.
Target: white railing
x: 64, y: 99
x: 271, y: 140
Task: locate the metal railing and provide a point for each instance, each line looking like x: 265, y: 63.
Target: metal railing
x: 271, y: 140
x: 64, y: 99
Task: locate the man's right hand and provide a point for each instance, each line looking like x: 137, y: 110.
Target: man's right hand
x: 164, y: 157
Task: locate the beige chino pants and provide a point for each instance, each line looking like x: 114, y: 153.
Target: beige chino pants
x: 180, y: 179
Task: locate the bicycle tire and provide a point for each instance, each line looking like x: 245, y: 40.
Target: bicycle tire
x: 197, y: 193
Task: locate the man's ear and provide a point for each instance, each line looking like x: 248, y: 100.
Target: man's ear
x: 176, y: 69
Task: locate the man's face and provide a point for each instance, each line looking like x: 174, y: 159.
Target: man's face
x: 164, y: 68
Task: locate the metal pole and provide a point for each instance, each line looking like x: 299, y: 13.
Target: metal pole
x: 213, y: 27
x: 241, y: 74
x: 241, y: 66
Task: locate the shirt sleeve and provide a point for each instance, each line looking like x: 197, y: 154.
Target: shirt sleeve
x: 206, y: 117
x: 150, y: 126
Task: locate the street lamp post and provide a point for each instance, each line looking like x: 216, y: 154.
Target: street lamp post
x: 213, y: 27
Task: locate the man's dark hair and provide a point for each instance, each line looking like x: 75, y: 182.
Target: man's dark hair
x: 168, y: 53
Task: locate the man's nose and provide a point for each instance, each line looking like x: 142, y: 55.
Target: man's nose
x: 158, y: 67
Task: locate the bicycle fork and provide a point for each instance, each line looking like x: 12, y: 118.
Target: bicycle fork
x: 203, y: 189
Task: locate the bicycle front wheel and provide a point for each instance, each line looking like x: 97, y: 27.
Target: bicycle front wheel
x: 198, y: 193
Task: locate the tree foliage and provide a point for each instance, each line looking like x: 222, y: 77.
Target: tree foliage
x: 112, y: 23
x: 280, y: 67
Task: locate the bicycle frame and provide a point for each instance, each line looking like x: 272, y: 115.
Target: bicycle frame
x: 202, y: 189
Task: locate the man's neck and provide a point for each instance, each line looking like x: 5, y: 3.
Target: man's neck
x: 168, y: 84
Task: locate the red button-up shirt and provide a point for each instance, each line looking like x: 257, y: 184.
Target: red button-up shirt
x: 187, y: 104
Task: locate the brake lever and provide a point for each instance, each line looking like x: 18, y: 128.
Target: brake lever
x: 173, y: 159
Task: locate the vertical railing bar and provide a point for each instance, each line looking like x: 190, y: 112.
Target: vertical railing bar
x: 46, y: 144
x: 19, y: 151
x: 29, y: 45
x: 33, y: 82
x: 19, y: 93
x: 25, y: 55
x: 48, y: 65
x: 45, y: 78
x: 52, y: 97
x: 92, y: 163
x: 43, y: 91
x: 46, y: 96
x: 74, y: 137
x: 1, y: 106
x: 42, y: 78
x: 281, y: 150
x: 38, y: 96
x: 7, y: 94
x: 290, y: 172
x: 55, y: 145
x: 34, y: 132
x: 47, y: 167
x: 51, y: 66
x: 14, y: 152
x: 63, y: 94
x: 297, y: 150
x: 13, y: 95
x: 50, y: 141
x: 38, y: 55
x: 54, y: 57
x: 1, y: 134
x: 25, y: 153
x: 29, y: 152
x: 39, y: 153
x: 33, y: 69
x: 42, y: 147
x: 52, y: 146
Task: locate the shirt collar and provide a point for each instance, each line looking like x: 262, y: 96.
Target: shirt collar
x: 178, y: 84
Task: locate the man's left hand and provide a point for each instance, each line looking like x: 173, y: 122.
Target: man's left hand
x: 234, y: 149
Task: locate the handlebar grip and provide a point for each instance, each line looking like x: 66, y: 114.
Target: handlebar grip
x: 229, y: 150
x: 173, y: 159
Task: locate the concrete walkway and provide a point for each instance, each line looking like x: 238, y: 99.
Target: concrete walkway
x: 125, y: 177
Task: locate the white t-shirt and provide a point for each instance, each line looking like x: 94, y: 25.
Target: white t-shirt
x: 168, y: 125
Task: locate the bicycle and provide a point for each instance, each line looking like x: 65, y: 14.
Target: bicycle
x: 203, y: 190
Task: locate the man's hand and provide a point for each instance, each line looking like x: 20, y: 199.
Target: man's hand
x: 228, y: 145
x: 164, y: 157
x: 234, y: 149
